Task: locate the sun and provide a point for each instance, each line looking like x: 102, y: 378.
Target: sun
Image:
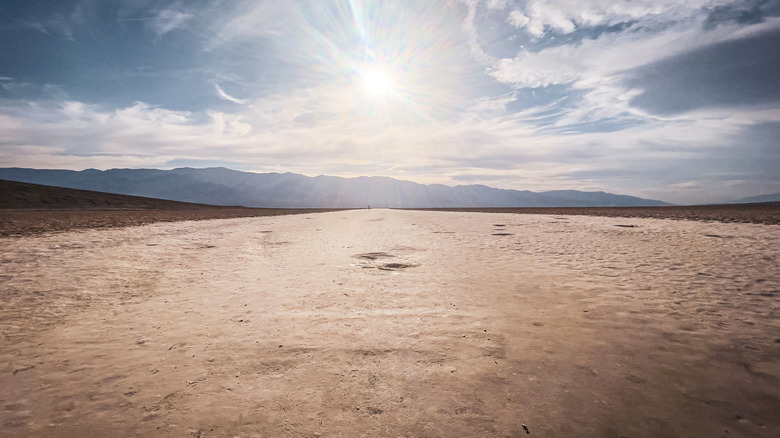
x: 377, y: 82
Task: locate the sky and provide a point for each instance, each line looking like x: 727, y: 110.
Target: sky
x: 677, y: 100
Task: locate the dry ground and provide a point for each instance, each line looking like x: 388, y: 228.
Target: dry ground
x: 760, y: 213
x: 393, y: 323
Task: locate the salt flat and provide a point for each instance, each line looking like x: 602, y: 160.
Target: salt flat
x: 393, y: 323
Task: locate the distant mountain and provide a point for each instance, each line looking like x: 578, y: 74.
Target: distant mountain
x: 220, y: 186
x: 774, y: 197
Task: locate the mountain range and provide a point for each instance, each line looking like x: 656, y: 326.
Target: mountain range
x: 221, y: 186
x: 774, y: 197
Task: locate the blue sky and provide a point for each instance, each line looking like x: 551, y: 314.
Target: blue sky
x: 672, y: 100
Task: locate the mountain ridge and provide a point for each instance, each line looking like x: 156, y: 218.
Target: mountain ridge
x: 222, y: 186
x: 770, y: 197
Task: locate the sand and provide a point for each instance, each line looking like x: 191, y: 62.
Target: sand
x: 393, y: 323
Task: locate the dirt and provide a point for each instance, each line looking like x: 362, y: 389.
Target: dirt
x: 760, y: 213
x: 281, y: 326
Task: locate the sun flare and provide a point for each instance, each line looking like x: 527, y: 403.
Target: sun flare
x: 377, y: 82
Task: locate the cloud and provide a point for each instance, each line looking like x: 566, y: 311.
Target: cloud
x: 61, y: 20
x: 742, y: 12
x: 482, y: 178
x: 646, y: 70
x: 161, y: 20
x: 225, y: 96
x: 469, y: 26
x: 168, y: 20
x: 738, y: 72
x: 607, y: 54
x: 562, y: 16
x: 27, y: 90
x: 245, y: 20
x: 35, y: 25
x: 688, y: 185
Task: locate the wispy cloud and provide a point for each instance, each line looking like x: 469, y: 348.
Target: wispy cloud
x: 248, y: 19
x: 160, y: 22
x: 35, y: 25
x: 224, y: 96
x: 63, y: 21
x: 168, y: 20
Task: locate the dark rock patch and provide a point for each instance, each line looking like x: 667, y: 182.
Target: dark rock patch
x: 373, y: 255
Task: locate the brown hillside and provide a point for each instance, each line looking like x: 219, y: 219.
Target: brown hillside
x: 27, y: 209
x: 19, y: 195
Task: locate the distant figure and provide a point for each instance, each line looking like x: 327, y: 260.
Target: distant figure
x: 369, y: 207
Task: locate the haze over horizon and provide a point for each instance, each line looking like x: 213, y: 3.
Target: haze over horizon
x: 677, y: 101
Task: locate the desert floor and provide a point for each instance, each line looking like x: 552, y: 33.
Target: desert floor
x: 393, y: 323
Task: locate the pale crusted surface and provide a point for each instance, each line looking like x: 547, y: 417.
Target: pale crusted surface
x: 393, y: 323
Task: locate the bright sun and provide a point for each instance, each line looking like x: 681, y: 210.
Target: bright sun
x: 377, y: 82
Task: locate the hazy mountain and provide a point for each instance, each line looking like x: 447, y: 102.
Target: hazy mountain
x: 220, y: 186
x: 774, y: 197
